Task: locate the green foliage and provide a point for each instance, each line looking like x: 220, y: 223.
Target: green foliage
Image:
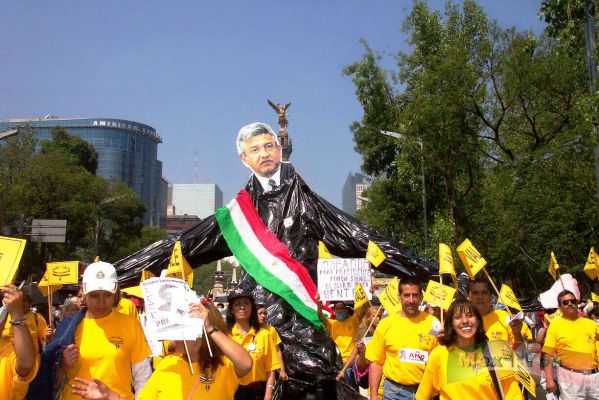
x: 499, y: 122
x: 58, y: 182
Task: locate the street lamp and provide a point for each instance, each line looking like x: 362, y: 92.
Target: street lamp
x: 423, y: 176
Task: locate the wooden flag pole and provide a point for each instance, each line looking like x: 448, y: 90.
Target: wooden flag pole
x: 499, y: 296
x: 207, y: 340
x: 187, y: 352
x: 49, y: 305
x: 370, y: 325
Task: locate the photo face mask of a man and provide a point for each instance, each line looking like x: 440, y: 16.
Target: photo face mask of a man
x: 262, y: 154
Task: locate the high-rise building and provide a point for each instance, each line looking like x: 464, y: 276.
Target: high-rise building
x: 127, y: 152
x: 200, y: 199
x: 352, y: 191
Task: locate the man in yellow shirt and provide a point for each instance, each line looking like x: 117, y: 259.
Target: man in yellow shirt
x: 400, y: 346
x: 18, y: 359
x: 342, y: 329
x: 574, y: 340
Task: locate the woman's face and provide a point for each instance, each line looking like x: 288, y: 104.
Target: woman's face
x: 373, y: 315
x: 100, y: 302
x: 465, y: 324
x: 262, y: 315
x: 242, y: 308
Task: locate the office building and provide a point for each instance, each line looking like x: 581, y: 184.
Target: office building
x: 199, y: 199
x: 351, y: 196
x: 127, y: 152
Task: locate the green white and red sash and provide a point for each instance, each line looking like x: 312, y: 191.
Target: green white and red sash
x: 265, y: 258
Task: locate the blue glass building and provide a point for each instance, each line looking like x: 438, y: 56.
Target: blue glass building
x: 127, y: 152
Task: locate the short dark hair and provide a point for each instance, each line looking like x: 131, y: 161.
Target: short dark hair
x: 410, y: 280
x: 478, y: 279
x: 460, y: 305
x: 564, y: 293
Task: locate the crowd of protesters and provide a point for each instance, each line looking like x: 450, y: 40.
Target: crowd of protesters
x: 98, y: 351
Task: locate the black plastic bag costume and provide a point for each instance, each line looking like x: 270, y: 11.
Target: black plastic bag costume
x: 299, y: 218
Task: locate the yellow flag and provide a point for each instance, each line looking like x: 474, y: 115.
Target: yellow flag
x: 471, y: 258
x: 63, y: 272
x: 145, y: 274
x: 323, y: 252
x: 439, y: 295
x: 178, y: 266
x: 553, y: 266
x: 590, y: 267
x: 374, y: 254
x: 508, y: 298
x: 45, y: 288
x: 594, y: 298
x: 134, y: 291
x: 446, y: 260
x: 11, y: 250
x: 360, y: 297
x: 389, y: 298
x: 551, y: 317
x: 523, y: 375
x: 97, y: 259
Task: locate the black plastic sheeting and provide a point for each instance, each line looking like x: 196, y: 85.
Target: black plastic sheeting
x: 299, y: 218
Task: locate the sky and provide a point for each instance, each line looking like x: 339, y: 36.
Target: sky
x: 197, y: 71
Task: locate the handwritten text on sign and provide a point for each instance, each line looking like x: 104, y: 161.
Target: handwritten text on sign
x: 337, y: 278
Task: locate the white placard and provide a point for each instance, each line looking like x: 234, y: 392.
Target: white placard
x: 338, y: 277
x: 167, y: 303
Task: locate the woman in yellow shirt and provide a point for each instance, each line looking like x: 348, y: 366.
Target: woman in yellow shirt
x: 244, y: 328
x: 215, y: 376
x: 459, y: 367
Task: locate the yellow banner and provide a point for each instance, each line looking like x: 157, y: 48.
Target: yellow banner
x: 523, y: 376
x: 389, y: 298
x: 323, y: 252
x: 360, y: 297
x: 145, y: 274
x: 446, y: 260
x: 471, y: 258
x: 374, y: 254
x: 553, y: 266
x: 508, y: 298
x: 178, y: 266
x: 63, y: 273
x: 594, y: 298
x: 590, y: 268
x: 43, y: 286
x: 11, y: 250
x: 438, y: 294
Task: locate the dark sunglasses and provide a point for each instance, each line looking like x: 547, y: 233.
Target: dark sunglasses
x: 566, y: 302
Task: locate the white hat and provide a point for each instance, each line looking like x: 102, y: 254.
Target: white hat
x: 99, y: 276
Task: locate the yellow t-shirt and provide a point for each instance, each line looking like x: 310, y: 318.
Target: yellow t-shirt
x: 262, y: 350
x: 13, y: 387
x: 402, y: 346
x: 38, y: 330
x: 173, y: 380
x: 273, y: 334
x: 453, y: 373
x: 574, y: 341
x: 108, y: 347
x: 343, y: 334
x: 126, y: 307
x: 496, y: 326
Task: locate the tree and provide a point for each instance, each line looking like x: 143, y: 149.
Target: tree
x: 80, y: 152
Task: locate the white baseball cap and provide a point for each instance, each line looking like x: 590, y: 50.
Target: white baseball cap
x: 99, y: 276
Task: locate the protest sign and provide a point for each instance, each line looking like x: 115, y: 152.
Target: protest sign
x: 523, y: 376
x: 439, y: 294
x: 167, y: 303
x: 446, y: 260
x: 178, y: 266
x: 338, y: 277
x: 323, y: 252
x: 374, y: 254
x: 390, y: 297
x: 45, y: 288
x: 473, y: 261
x: 62, y: 273
x: 360, y: 296
x: 154, y: 343
x: 508, y: 298
x: 552, y: 317
x: 11, y: 250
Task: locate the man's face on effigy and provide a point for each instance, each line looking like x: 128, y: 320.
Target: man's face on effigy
x: 262, y: 154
